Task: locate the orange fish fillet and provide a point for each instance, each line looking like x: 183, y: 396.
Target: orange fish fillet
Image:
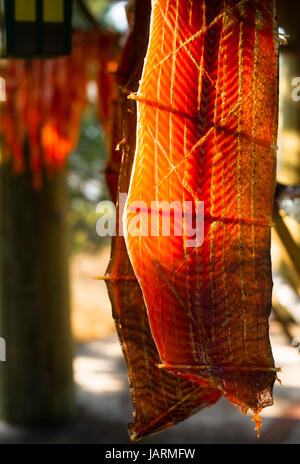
x: 206, y: 131
x: 160, y: 398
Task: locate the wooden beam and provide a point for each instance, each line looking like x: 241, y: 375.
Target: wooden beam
x: 287, y: 240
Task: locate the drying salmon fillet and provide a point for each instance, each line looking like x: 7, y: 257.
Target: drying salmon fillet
x: 113, y: 162
x: 160, y: 398
x: 206, y: 132
x: 115, y: 134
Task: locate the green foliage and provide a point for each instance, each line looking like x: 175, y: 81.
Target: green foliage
x: 98, y: 9
x: 86, y: 184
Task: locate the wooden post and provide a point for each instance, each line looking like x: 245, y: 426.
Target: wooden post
x: 289, y: 129
x: 36, y: 381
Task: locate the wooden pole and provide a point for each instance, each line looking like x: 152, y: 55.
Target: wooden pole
x: 289, y: 128
x: 289, y: 131
x: 36, y: 381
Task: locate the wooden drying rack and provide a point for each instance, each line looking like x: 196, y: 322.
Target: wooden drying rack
x: 292, y: 252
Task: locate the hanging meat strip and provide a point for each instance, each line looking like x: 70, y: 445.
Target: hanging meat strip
x: 45, y: 100
x: 206, y: 131
x: 114, y: 136
x: 160, y: 398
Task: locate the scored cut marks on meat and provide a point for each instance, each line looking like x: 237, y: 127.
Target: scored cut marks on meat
x: 206, y: 131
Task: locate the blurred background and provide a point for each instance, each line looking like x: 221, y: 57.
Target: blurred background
x: 39, y: 402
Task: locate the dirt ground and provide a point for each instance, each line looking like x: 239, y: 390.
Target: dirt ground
x: 103, y: 401
x: 104, y: 407
x: 90, y: 306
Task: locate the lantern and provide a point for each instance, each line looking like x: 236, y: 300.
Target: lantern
x: 35, y: 28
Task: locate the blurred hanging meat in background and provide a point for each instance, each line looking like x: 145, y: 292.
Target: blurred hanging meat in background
x: 45, y: 100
